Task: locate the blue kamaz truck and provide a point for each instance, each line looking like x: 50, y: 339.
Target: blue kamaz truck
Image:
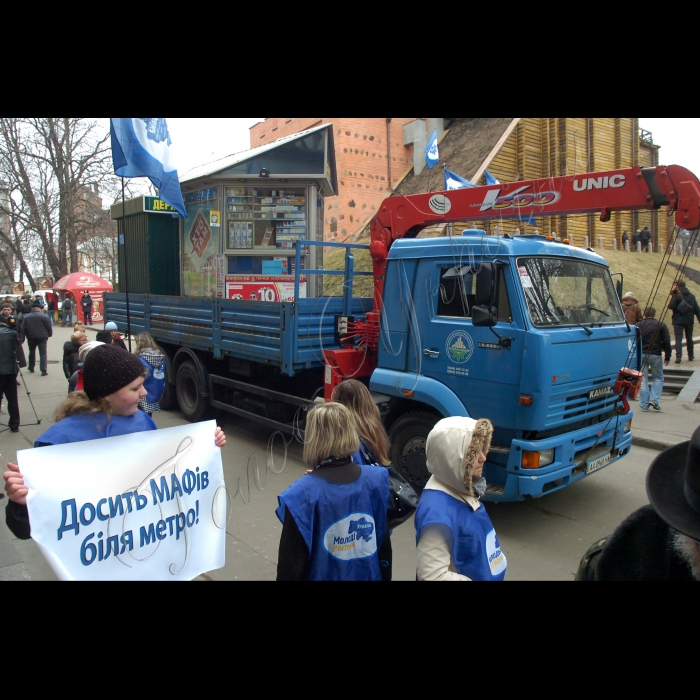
x: 522, y: 330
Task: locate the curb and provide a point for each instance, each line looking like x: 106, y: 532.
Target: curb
x: 651, y: 444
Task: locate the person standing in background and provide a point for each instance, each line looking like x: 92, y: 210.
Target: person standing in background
x: 9, y: 345
x: 685, y: 310
x: 644, y: 238
x: 630, y: 306
x: 86, y: 306
x: 625, y: 240
x: 67, y: 312
x: 51, y: 308
x: 655, y: 340
x: 635, y: 240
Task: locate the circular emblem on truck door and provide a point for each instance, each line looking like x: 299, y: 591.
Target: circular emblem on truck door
x: 459, y: 347
x: 439, y: 204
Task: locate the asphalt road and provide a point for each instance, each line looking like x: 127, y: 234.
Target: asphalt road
x: 543, y: 539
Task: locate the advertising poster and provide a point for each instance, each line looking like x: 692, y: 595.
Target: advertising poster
x: 263, y: 287
x: 156, y: 511
x: 200, y: 248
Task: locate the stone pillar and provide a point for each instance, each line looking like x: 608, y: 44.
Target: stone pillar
x: 600, y: 242
x: 661, y: 250
x: 638, y: 249
x: 585, y: 241
x: 614, y: 244
x: 627, y: 246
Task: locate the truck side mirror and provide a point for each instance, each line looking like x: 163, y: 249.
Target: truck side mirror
x: 484, y: 285
x: 485, y: 316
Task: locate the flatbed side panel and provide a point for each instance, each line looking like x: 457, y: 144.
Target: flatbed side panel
x: 253, y: 330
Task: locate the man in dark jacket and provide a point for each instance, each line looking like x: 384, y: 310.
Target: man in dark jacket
x: 86, y: 306
x: 655, y: 340
x: 685, y: 310
x: 644, y: 238
x: 36, y: 328
x: 8, y: 374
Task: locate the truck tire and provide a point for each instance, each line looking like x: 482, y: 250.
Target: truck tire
x: 408, y: 435
x: 192, y: 404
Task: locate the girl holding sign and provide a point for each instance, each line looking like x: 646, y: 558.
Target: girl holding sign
x: 108, y: 406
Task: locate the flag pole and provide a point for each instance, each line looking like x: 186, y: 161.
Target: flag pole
x: 126, y: 268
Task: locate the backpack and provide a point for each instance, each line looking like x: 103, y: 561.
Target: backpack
x: 154, y: 383
x: 67, y: 306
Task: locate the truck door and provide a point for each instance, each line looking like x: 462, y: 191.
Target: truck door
x: 473, y: 361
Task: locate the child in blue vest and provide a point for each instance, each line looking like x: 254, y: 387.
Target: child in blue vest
x: 334, y: 518
x: 454, y: 535
x: 153, y: 361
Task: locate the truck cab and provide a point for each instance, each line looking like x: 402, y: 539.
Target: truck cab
x: 526, y: 332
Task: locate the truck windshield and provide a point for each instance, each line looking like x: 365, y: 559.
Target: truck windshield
x: 564, y: 291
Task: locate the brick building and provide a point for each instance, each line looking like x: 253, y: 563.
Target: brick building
x: 370, y: 159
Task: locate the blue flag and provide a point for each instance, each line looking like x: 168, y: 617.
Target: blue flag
x: 490, y: 179
x: 455, y: 182
x: 432, y: 157
x: 141, y: 148
x: 529, y: 220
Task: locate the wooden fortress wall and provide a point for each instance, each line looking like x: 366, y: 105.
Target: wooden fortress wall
x: 552, y: 147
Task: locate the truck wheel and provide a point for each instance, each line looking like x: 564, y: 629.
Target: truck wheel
x: 192, y: 404
x: 408, y: 435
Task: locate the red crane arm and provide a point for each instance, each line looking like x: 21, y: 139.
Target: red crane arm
x: 613, y: 190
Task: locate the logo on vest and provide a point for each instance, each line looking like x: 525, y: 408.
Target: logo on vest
x: 353, y: 537
x: 495, y: 557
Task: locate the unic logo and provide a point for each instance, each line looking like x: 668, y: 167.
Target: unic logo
x: 439, y: 204
x: 599, y: 183
x: 459, y: 347
x: 517, y: 199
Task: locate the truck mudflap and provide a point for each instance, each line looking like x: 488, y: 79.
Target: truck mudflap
x: 576, y: 456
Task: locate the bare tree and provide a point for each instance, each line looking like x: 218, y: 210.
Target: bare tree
x: 46, y: 161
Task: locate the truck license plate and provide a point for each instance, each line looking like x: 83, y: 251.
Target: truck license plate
x: 598, y: 463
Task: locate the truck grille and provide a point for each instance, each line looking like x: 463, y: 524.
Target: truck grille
x: 570, y: 402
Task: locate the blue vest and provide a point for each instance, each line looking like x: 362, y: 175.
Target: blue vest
x: 92, y: 426
x: 154, y: 383
x: 343, y: 525
x: 476, y: 551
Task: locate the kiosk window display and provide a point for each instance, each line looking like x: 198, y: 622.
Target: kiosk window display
x: 247, y: 213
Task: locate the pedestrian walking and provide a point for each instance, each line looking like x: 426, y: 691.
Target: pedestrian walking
x: 655, y: 340
x: 67, y: 312
x: 334, y: 519
x: 36, y: 328
x: 625, y: 240
x: 455, y: 538
x: 86, y: 306
x: 108, y: 407
x: 630, y: 306
x: 7, y: 319
x: 685, y: 310
x: 153, y: 361
x: 9, y: 346
x: 644, y: 238
x: 51, y: 309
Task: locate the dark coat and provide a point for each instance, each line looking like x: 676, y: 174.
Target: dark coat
x: 86, y: 303
x: 687, y: 318
x: 69, y: 349
x: 655, y: 337
x: 36, y: 326
x: 645, y: 236
x: 9, y: 345
x: 641, y: 549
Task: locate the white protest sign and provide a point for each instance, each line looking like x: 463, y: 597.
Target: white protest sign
x: 145, y: 506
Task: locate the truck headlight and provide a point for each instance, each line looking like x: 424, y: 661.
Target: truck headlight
x: 628, y: 425
x: 535, y: 460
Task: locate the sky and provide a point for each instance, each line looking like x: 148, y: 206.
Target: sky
x: 198, y: 141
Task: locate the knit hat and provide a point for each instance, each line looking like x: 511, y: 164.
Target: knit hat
x: 453, y: 447
x: 85, y: 349
x: 111, y: 326
x: 36, y: 304
x: 109, y: 368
